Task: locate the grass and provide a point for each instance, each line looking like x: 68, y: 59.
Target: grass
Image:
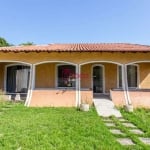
x: 53, y: 129
x: 23, y: 128
x: 140, y: 118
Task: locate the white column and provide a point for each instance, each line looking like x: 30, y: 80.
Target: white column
x: 31, y: 85
x: 127, y: 88
x: 78, y: 86
x: 125, y: 84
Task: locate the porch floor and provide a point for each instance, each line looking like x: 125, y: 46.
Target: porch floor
x: 105, y: 107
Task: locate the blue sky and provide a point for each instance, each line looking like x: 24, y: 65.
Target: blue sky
x: 72, y: 21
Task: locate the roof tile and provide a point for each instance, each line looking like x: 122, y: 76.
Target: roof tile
x: 79, y: 47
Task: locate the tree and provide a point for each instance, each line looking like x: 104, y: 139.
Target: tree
x: 26, y: 43
x: 3, y: 42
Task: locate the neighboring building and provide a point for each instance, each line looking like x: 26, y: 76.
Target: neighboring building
x: 66, y: 74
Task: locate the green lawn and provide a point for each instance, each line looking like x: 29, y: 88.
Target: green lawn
x: 25, y: 128
x: 141, y: 118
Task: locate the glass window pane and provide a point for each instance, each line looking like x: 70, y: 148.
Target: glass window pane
x: 66, y: 76
x: 132, y: 75
x: 98, y: 79
x: 120, y: 76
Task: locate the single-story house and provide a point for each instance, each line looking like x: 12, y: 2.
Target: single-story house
x: 64, y: 75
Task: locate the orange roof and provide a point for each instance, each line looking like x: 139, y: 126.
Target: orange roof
x: 79, y: 47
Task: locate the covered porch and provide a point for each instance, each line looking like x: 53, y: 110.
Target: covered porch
x: 135, y: 89
x: 14, y: 80
x: 66, y: 84
x: 59, y: 83
x: 54, y: 84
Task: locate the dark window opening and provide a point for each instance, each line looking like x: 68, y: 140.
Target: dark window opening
x: 66, y: 76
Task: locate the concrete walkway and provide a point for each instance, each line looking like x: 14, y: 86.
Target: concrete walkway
x: 105, y: 107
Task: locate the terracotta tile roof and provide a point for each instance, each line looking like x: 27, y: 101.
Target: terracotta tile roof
x: 79, y: 47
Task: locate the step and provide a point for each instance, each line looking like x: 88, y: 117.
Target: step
x: 106, y: 108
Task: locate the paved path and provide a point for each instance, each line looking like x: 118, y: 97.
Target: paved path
x: 105, y: 107
x: 123, y: 131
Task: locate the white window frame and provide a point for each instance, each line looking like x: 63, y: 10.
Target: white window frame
x: 118, y: 76
x: 56, y: 74
x: 138, y: 76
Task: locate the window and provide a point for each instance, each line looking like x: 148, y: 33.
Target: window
x: 120, y: 77
x: 17, y: 79
x: 66, y: 76
x: 132, y: 76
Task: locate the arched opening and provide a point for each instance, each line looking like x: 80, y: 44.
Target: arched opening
x: 98, y: 78
x: 54, y: 84
x: 132, y: 76
x: 15, y: 79
x: 139, y: 83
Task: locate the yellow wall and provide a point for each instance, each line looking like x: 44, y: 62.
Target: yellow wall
x: 74, y: 57
x: 144, y: 72
x: 86, y: 76
x: 45, y: 76
x: 77, y: 57
x: 110, y: 73
x: 2, y: 74
x: 110, y: 76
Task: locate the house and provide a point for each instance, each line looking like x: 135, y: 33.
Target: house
x: 65, y: 74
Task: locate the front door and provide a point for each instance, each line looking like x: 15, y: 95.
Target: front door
x: 98, y: 79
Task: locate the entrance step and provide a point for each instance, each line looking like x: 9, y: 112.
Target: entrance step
x: 106, y: 108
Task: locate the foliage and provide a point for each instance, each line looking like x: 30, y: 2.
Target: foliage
x: 3, y: 42
x: 140, y: 117
x: 26, y: 44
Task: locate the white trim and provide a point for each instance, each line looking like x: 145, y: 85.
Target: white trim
x: 140, y: 61
x: 33, y: 78
x: 124, y: 86
x: 77, y: 84
x: 103, y: 74
x: 32, y: 85
x: 29, y: 88
x: 102, y: 61
x: 13, y: 61
x: 55, y: 61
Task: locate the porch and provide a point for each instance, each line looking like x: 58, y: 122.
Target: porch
x: 91, y: 80
x: 14, y: 80
x: 58, y: 83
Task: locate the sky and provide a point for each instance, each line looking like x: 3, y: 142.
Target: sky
x: 75, y: 21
